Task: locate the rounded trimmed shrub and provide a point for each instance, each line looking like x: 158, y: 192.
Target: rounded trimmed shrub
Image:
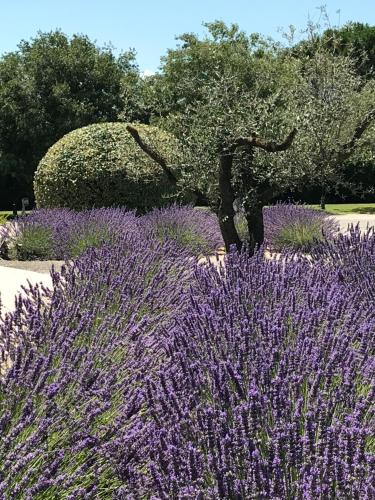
x: 101, y: 166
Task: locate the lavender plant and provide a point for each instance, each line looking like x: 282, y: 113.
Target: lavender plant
x: 145, y: 375
x: 196, y: 230
x: 352, y: 255
x: 64, y: 233
x: 4, y: 235
x: 34, y: 242
x: 296, y: 226
x: 269, y: 389
x: 73, y: 362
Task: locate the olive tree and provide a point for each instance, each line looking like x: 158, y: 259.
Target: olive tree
x: 229, y: 136
x: 337, y: 111
x: 236, y: 106
x: 228, y: 99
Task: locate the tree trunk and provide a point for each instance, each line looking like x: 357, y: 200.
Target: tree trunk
x: 226, y: 211
x: 254, y: 218
x: 323, y: 200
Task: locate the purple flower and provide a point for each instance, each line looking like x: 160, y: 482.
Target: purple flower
x: 145, y: 375
x: 296, y: 226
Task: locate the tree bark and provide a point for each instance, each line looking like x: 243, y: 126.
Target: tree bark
x: 272, y: 147
x: 254, y: 219
x: 323, y: 201
x: 226, y: 211
x: 254, y: 212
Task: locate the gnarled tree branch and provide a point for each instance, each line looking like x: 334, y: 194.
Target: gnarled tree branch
x: 152, y: 153
x: 159, y: 159
x: 272, y: 147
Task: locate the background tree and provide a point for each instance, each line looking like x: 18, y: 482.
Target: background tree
x: 135, y: 91
x: 337, y: 110
x: 49, y: 86
x: 356, y: 40
x: 195, y: 63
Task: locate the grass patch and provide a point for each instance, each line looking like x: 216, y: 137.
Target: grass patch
x: 349, y: 208
x: 338, y: 208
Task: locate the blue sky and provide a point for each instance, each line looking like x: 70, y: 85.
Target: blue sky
x: 150, y: 26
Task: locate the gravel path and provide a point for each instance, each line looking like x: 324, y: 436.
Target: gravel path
x: 11, y: 281
x: 15, y: 273
x: 362, y: 219
x: 37, y: 266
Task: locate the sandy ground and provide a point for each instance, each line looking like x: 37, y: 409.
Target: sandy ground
x: 11, y: 281
x: 362, y: 219
x: 37, y: 266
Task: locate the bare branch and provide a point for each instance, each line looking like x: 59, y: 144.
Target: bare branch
x: 272, y: 147
x: 152, y: 153
x: 348, y: 148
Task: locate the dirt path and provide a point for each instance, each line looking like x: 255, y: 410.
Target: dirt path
x: 37, y: 266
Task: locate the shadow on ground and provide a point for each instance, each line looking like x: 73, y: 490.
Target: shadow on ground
x: 364, y: 210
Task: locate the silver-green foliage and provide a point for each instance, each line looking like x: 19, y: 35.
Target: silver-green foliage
x: 300, y: 235
x: 101, y: 165
x: 33, y: 243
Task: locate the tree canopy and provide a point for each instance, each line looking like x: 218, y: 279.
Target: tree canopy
x: 356, y: 40
x: 283, y: 117
x: 48, y: 87
x: 253, y: 119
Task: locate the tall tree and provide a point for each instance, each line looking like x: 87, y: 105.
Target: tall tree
x: 337, y: 112
x: 197, y: 62
x: 235, y: 106
x: 49, y: 86
x: 135, y: 87
x: 356, y: 40
x: 232, y: 112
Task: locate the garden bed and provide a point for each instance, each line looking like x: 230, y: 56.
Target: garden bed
x: 143, y: 374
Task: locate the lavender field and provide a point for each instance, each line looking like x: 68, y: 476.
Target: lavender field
x: 62, y: 233
x: 144, y: 374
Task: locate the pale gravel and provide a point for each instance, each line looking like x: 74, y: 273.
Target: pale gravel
x: 37, y: 266
x: 363, y: 220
